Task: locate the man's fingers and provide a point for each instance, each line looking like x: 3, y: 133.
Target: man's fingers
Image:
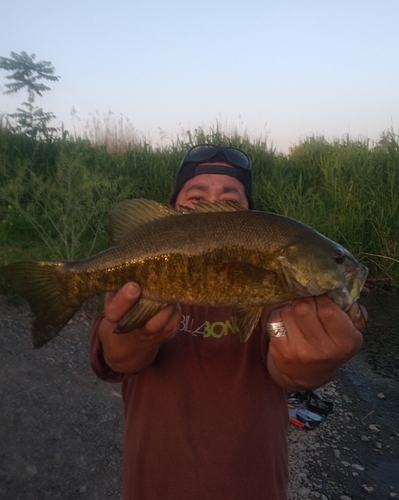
x: 358, y: 315
x: 275, y: 316
x: 167, y: 319
x: 302, y: 319
x: 117, y: 304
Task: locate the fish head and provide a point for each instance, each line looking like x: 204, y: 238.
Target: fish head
x: 321, y: 266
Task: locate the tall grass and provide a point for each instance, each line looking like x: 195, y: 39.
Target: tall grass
x: 54, y: 195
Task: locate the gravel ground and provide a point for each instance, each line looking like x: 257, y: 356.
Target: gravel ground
x: 354, y: 453
x: 61, y: 428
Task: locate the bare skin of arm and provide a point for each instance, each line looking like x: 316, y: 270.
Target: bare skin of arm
x: 320, y: 338
x: 134, y: 351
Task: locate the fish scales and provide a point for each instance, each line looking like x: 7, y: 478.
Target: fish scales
x: 217, y: 255
x: 192, y: 256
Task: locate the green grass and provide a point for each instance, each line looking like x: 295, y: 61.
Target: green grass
x: 54, y: 195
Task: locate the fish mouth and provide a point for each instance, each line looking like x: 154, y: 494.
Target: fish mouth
x: 346, y: 295
x: 357, y: 280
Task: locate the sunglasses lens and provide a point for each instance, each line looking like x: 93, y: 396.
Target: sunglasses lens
x: 237, y: 157
x: 203, y: 152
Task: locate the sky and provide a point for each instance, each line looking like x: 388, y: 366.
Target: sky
x: 281, y: 70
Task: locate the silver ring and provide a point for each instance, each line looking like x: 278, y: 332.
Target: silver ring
x: 276, y: 329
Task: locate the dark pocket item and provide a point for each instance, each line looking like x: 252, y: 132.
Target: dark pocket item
x: 306, y: 409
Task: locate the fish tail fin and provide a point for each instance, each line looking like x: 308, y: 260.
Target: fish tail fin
x: 40, y: 284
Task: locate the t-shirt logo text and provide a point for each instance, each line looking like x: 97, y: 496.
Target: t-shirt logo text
x: 216, y: 329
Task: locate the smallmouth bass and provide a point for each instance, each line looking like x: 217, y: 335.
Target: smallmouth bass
x: 217, y: 254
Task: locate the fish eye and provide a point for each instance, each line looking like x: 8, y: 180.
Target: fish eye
x: 339, y: 256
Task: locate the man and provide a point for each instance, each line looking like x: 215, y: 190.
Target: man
x: 206, y: 415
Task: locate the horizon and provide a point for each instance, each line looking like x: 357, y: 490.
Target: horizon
x: 283, y: 71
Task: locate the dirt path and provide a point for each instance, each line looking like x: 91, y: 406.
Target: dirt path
x: 61, y: 429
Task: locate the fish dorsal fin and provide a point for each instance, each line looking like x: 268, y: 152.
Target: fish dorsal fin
x: 130, y: 214
x: 214, y: 206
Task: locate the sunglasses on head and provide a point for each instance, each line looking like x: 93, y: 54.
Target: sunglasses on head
x: 208, y: 152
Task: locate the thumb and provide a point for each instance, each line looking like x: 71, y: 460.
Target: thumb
x: 131, y: 290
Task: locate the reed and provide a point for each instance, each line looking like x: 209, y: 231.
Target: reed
x: 54, y: 194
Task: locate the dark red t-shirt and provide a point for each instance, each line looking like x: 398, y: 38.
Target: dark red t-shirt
x: 204, y: 421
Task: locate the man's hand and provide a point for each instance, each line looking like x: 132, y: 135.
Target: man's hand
x: 133, y: 351
x: 320, y: 338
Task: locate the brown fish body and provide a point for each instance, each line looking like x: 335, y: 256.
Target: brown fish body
x: 209, y: 260
x: 216, y: 255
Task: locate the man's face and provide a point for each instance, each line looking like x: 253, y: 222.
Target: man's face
x: 211, y: 187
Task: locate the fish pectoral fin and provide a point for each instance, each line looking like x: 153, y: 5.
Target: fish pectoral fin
x: 248, y: 274
x: 247, y: 318
x: 138, y: 315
